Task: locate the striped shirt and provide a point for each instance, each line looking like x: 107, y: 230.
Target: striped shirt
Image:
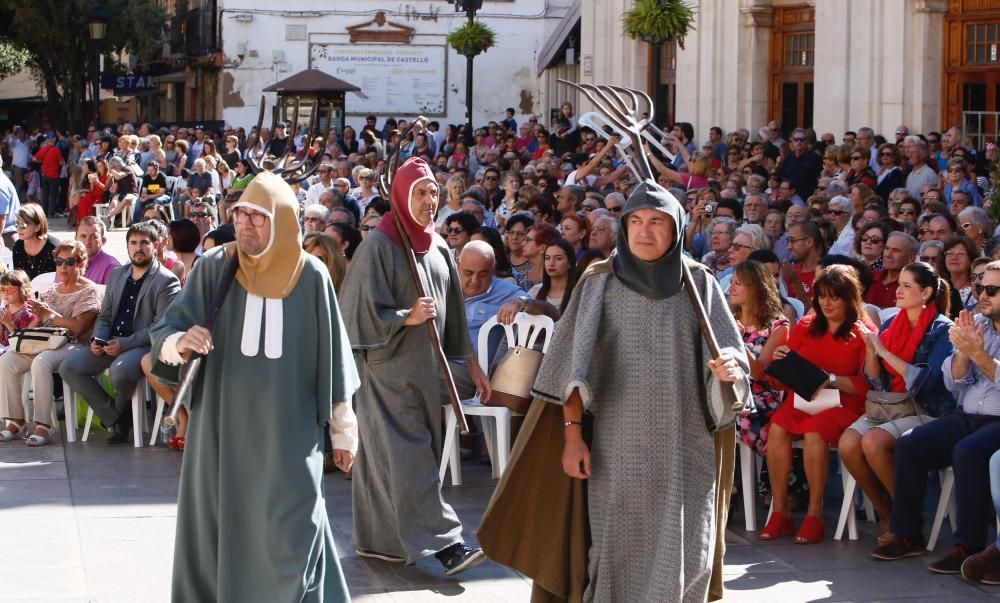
x: 976, y: 392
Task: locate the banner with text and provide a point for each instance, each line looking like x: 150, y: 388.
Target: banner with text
x: 394, y: 80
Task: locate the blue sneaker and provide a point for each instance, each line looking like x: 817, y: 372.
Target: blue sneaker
x: 460, y: 557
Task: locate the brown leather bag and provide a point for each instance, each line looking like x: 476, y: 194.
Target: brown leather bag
x: 882, y: 407
x: 513, y: 378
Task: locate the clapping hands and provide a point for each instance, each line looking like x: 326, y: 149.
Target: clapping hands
x: 966, y: 336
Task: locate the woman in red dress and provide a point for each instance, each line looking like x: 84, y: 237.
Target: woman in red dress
x: 97, y: 180
x: 830, y: 339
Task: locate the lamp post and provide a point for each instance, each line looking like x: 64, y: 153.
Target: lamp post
x: 97, y: 23
x: 469, y: 7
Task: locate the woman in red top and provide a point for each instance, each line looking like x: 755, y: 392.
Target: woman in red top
x: 97, y: 181
x: 831, y: 340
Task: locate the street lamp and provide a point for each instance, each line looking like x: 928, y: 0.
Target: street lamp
x: 469, y: 7
x: 97, y: 22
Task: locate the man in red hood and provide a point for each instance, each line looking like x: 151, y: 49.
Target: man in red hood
x: 399, y: 514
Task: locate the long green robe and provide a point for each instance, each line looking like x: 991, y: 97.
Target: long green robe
x: 398, y: 508
x: 251, y: 520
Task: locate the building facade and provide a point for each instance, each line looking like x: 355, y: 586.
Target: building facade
x: 396, y: 54
x: 832, y: 65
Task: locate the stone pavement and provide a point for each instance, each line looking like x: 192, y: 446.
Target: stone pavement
x: 89, y: 522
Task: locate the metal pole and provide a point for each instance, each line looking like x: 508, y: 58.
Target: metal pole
x: 469, y: 135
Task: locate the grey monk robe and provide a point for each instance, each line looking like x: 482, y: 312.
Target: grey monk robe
x: 252, y: 522
x: 398, y: 507
x: 640, y: 367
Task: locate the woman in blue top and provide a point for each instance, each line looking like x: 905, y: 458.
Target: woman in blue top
x: 905, y: 357
x: 956, y: 180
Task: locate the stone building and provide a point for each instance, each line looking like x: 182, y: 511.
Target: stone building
x: 833, y: 65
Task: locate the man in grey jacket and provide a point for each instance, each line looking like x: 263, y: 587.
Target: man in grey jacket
x: 136, y: 297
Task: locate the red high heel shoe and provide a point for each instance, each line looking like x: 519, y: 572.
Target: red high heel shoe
x: 811, y: 531
x: 779, y: 525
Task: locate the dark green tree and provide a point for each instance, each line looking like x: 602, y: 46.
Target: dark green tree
x: 55, y: 35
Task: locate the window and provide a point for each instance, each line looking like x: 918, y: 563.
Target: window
x: 982, y: 43
x: 800, y: 49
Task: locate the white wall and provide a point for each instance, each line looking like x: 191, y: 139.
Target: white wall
x: 504, y: 76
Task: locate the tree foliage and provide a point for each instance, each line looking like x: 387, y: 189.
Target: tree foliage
x: 56, y: 35
x: 13, y: 58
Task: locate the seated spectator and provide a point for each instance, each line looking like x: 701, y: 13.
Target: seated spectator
x: 152, y: 189
x: 839, y: 213
x: 34, y: 249
x: 936, y: 226
x: 15, y: 290
x: 517, y: 232
x: 959, y: 252
x: 909, y: 210
x: 830, y: 339
x: 72, y: 304
x: 203, y: 216
x: 604, y: 235
x: 720, y: 243
x: 899, y: 249
x: 314, y: 218
x: 183, y: 240
x: 459, y: 228
x: 347, y: 238
x: 869, y: 244
x: 491, y: 236
x: 807, y: 246
x: 960, y: 201
x: 905, y: 357
x: 136, y: 297
x: 90, y: 231
x: 575, y: 230
x: 756, y: 303
x: 747, y: 239
x: 220, y: 236
x: 368, y: 224
x: 123, y: 188
x: 328, y: 250
x: 792, y: 308
x: 976, y: 224
x: 964, y: 440
x: 558, y: 279
x: 956, y: 179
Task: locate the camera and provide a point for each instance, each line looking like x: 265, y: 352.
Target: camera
x: 710, y: 208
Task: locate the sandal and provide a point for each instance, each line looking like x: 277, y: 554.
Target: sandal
x: 176, y: 443
x: 37, y: 439
x: 885, y: 538
x: 779, y: 525
x: 811, y: 531
x: 8, y: 435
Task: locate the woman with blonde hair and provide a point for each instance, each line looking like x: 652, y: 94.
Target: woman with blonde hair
x: 454, y: 187
x: 699, y: 168
x: 33, y: 251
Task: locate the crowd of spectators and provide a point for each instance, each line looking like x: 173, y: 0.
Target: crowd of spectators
x: 880, y: 249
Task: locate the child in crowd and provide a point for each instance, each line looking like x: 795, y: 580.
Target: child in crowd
x: 15, y: 290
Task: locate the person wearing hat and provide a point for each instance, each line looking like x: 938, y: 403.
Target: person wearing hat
x: 279, y: 141
x: 251, y: 518
x: 636, y: 362
x: 399, y: 514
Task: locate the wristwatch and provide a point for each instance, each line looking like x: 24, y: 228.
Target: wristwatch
x: 524, y: 300
x: 833, y: 380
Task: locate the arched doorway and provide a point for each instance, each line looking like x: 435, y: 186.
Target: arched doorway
x: 792, y: 59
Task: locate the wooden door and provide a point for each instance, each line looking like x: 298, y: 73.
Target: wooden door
x: 792, y: 60
x: 971, y: 80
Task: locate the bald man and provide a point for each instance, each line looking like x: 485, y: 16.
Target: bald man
x: 484, y: 293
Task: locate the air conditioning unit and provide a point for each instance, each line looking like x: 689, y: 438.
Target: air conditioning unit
x: 277, y: 56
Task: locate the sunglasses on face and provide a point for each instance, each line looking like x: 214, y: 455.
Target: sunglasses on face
x: 978, y: 276
x: 839, y: 212
x: 857, y: 158
x: 202, y: 214
x: 928, y: 258
x: 615, y: 210
x: 455, y: 230
x: 955, y: 170
x: 588, y: 208
x: 67, y: 261
x: 367, y: 227
x: 872, y: 240
x: 907, y: 212
x: 799, y: 138
x: 991, y: 290
x: 10, y: 290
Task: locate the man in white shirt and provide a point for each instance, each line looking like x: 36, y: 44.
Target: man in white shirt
x: 324, y: 184
x: 20, y: 160
x: 921, y: 174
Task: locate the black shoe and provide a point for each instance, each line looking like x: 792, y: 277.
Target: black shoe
x: 951, y: 563
x: 460, y: 557
x: 120, y: 429
x: 900, y: 548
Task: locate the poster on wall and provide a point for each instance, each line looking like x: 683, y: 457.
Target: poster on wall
x: 394, y: 79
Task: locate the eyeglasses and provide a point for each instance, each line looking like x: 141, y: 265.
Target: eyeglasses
x: 529, y: 240
x: 907, y: 212
x: 990, y: 290
x: 857, y: 158
x: 455, y: 230
x: 10, y: 290
x: 924, y: 231
x: 967, y: 225
x: 901, y: 132
x: 978, y: 276
x: 958, y: 156
x: 955, y: 170
x: 839, y: 212
x: 255, y: 218
x: 367, y: 227
x: 67, y: 261
x: 490, y: 178
x: 588, y: 208
x: 872, y: 239
x: 799, y: 138
x: 799, y: 240
x: 615, y: 210
x: 956, y: 253
x: 885, y: 154
x: 313, y: 219
x: 742, y: 246
x: 20, y: 225
x: 204, y: 214
x: 928, y: 258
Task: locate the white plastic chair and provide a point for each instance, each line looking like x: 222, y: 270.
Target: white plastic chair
x: 945, y: 506
x: 528, y: 329
x: 886, y: 313
x: 27, y: 401
x: 748, y: 484
x: 138, y: 415
x: 43, y: 282
x: 101, y: 211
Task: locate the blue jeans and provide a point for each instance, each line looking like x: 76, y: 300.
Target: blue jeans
x: 995, y: 485
x: 966, y: 442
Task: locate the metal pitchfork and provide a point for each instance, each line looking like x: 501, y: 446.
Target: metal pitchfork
x: 621, y: 108
x: 290, y: 169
